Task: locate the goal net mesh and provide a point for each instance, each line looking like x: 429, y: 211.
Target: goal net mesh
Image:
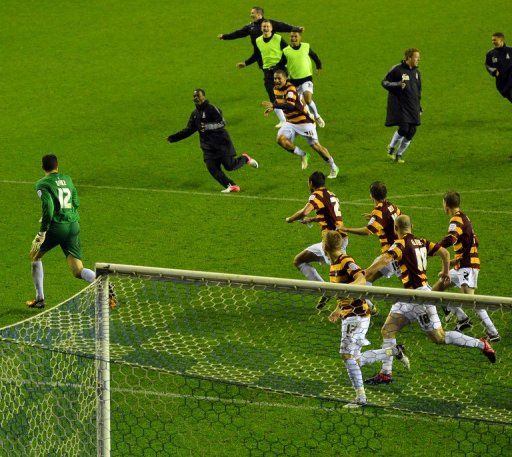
x: 230, y: 365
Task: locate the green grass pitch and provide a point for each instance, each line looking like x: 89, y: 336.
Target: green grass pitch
x: 102, y: 84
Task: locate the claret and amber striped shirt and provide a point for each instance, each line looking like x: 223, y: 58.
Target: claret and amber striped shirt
x: 327, y: 208
x: 464, y: 241
x: 382, y: 223
x: 411, y: 255
x: 289, y: 101
x: 344, y: 271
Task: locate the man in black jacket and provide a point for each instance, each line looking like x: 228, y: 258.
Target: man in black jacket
x: 403, y: 83
x: 498, y: 63
x: 215, y: 142
x: 253, y: 30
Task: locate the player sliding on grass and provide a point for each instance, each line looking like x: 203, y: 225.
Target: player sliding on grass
x: 298, y: 122
x: 355, y: 318
x: 218, y: 150
x: 59, y: 227
x: 411, y: 255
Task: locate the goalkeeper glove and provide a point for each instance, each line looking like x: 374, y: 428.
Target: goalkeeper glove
x: 36, y: 244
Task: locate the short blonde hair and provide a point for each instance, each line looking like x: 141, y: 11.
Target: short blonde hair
x: 332, y: 241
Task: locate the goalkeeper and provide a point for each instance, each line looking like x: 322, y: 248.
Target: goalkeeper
x: 59, y: 226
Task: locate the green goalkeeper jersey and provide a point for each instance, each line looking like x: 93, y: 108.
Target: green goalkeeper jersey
x: 59, y: 200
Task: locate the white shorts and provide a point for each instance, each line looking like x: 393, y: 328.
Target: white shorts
x: 390, y: 270
x: 307, y: 131
x: 321, y: 256
x: 353, y: 334
x: 464, y: 276
x: 305, y: 87
x: 426, y: 315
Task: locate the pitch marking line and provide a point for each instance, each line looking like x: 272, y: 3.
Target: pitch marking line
x: 359, y: 202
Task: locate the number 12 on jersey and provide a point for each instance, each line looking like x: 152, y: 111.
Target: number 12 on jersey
x: 64, y: 198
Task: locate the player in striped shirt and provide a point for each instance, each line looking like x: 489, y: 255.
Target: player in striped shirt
x: 381, y: 223
x: 355, y: 317
x: 298, y: 122
x: 328, y: 215
x: 411, y: 255
x: 466, y: 264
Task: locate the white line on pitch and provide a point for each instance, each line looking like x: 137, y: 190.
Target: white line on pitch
x: 359, y: 202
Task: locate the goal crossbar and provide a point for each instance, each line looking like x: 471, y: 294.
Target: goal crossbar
x: 325, y: 288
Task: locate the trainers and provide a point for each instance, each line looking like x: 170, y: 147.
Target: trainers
x: 488, y: 351
x: 400, y: 355
x: 334, y: 172
x: 398, y: 159
x: 356, y: 403
x: 322, y: 302
x: 320, y: 122
x: 279, y: 125
x: 231, y: 188
x: 493, y: 338
x: 250, y: 161
x: 304, y: 161
x: 464, y: 325
x: 379, y: 378
x: 391, y: 153
x: 35, y: 303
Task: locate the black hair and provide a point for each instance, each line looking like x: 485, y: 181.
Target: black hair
x: 378, y: 190
x: 452, y: 199
x: 317, y: 179
x: 200, y: 90
x: 50, y: 162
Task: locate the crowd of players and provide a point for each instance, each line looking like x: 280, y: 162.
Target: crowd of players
x: 287, y: 72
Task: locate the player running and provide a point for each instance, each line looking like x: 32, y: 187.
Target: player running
x: 411, y: 255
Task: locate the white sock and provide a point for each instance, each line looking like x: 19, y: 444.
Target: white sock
x: 375, y: 355
x: 88, y: 275
x: 486, y: 320
x: 312, y: 108
x: 309, y: 272
x: 395, y: 140
x: 280, y: 115
x: 37, y: 278
x: 354, y: 373
x: 387, y: 365
x: 403, y: 146
x: 459, y: 339
x: 370, y: 304
x: 461, y: 315
x: 331, y: 163
x: 299, y: 151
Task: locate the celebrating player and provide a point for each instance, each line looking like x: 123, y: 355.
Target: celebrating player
x: 355, y: 318
x: 328, y: 215
x: 411, y: 255
x: 298, y: 122
x: 214, y: 140
x: 298, y: 57
x: 466, y: 264
x: 59, y: 227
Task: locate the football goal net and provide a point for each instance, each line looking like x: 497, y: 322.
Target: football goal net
x: 201, y: 363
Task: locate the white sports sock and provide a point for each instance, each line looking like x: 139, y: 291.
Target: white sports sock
x: 375, y: 355
x: 395, y: 140
x: 370, y: 304
x: 280, y: 115
x: 309, y: 272
x: 459, y: 339
x: 403, y: 146
x: 461, y: 315
x: 299, y: 151
x: 37, y: 278
x: 387, y: 365
x: 312, y: 108
x: 486, y: 320
x: 354, y: 373
x: 88, y: 275
x: 330, y: 161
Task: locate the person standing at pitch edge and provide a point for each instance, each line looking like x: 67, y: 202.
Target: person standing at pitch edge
x: 215, y: 142
x: 59, y: 227
x: 269, y: 49
x: 403, y: 83
x: 298, y: 57
x: 498, y: 63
